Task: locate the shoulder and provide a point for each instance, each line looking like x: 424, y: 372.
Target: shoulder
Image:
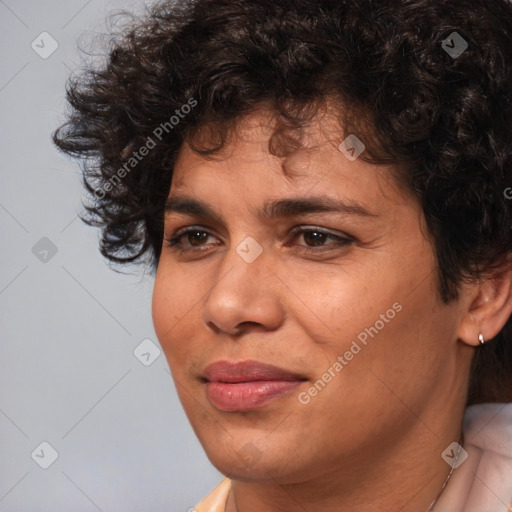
x: 483, y: 480
x: 489, y: 428
x: 216, y: 500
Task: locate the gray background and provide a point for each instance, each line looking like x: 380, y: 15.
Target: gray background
x: 69, y: 323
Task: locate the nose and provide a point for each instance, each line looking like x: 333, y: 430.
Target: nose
x: 245, y: 296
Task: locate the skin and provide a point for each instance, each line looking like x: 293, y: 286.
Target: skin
x: 371, y: 439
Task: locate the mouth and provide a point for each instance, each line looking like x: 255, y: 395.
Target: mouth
x: 247, y: 385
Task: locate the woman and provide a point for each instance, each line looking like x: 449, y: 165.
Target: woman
x: 323, y: 188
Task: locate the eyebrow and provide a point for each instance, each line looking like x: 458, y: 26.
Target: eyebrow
x: 280, y: 208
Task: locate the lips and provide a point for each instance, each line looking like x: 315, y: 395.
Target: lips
x: 247, y: 385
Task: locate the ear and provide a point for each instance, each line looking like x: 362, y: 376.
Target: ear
x: 488, y: 306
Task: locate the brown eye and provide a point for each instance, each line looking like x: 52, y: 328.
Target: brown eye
x: 317, y: 238
x: 314, y: 237
x: 195, y: 237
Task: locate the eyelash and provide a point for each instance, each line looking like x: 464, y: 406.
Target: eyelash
x: 175, y: 241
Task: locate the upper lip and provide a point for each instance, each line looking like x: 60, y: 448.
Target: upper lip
x: 247, y: 371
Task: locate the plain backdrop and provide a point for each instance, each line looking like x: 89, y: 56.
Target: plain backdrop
x: 85, y: 425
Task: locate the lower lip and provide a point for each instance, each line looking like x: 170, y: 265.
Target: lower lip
x: 244, y: 396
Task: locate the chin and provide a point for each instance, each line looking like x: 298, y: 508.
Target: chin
x: 241, y: 458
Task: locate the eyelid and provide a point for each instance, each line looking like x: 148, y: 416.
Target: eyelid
x: 181, y: 232
x: 343, y: 239
x: 186, y: 229
x: 306, y: 227
x: 301, y: 228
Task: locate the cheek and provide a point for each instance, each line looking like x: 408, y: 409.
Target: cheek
x: 371, y: 319
x: 172, y: 302
x: 342, y: 303
x: 162, y: 307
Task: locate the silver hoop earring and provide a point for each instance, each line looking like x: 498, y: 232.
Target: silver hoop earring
x: 481, y: 339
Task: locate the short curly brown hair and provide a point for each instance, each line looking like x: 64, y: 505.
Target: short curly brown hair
x: 429, y: 82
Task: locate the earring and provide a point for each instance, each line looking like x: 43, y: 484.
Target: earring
x: 481, y: 339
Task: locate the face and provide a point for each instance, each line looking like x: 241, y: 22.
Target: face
x: 343, y: 302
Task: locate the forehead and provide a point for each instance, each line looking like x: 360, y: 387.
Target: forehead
x: 262, y: 135
x: 246, y: 169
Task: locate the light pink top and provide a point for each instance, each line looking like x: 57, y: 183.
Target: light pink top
x: 482, y: 483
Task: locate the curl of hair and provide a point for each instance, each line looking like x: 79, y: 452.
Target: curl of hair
x: 447, y: 119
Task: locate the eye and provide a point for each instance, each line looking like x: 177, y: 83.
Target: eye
x: 196, y: 235
x: 315, y: 238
